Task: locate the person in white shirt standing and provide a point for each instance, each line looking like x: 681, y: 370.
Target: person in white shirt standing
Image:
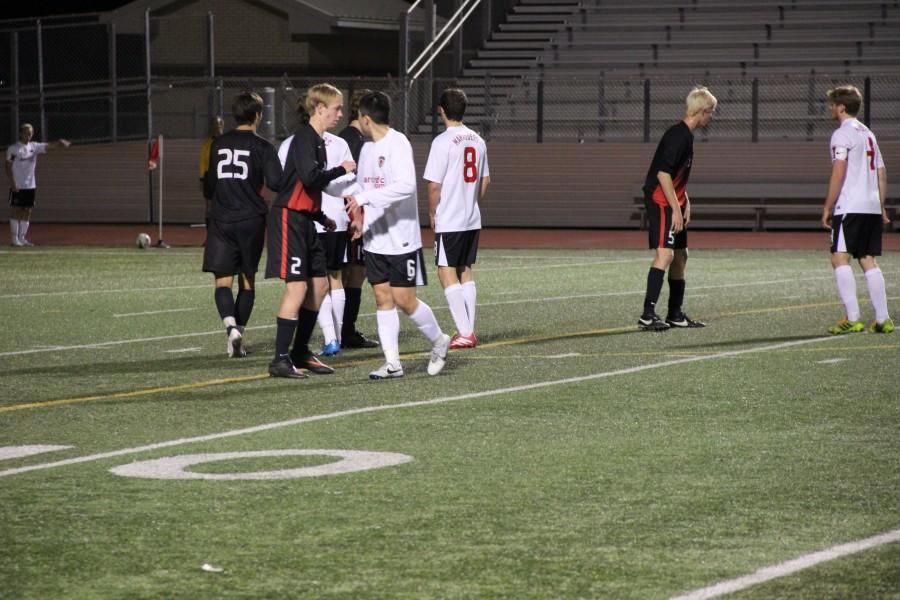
x: 854, y: 211
x: 21, y: 159
x: 387, y: 214
x: 458, y: 178
x: 331, y: 312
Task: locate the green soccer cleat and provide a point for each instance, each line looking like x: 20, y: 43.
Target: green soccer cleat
x: 846, y: 326
x: 885, y: 327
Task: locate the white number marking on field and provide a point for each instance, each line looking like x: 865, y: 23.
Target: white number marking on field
x: 830, y: 361
x: 9, y: 452
x: 182, y: 350
x: 175, y: 467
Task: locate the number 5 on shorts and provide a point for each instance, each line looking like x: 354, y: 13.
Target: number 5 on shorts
x: 671, y: 239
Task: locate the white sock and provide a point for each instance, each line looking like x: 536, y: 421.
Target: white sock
x: 229, y: 322
x: 389, y: 333
x: 23, y: 229
x: 424, y: 319
x: 846, y: 286
x: 326, y: 321
x: 338, y: 299
x: 457, y: 303
x: 469, y: 293
x: 13, y: 231
x: 877, y: 294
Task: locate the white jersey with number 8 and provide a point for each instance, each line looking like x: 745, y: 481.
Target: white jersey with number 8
x: 458, y: 161
x: 856, y: 144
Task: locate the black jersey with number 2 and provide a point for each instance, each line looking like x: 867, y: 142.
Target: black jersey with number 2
x: 240, y: 162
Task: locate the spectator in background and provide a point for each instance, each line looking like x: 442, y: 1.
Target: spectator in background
x: 216, y: 128
x: 21, y: 159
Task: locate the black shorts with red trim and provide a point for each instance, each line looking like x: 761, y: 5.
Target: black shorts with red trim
x: 456, y: 248
x: 335, y: 245
x: 355, y: 253
x: 856, y: 234
x: 234, y: 247
x: 22, y: 198
x: 661, y: 234
x: 400, y: 270
x: 295, y: 253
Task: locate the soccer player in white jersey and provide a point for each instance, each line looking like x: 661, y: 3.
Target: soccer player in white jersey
x: 21, y: 159
x: 854, y: 211
x: 387, y: 213
x: 331, y: 312
x: 458, y: 178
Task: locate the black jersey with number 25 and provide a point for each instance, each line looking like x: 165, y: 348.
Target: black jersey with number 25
x: 240, y: 162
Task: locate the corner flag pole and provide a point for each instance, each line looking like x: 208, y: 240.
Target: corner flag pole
x: 159, y: 241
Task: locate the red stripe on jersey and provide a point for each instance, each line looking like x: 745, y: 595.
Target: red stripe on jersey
x: 284, y: 242
x: 662, y: 227
x: 302, y: 200
x: 679, y: 184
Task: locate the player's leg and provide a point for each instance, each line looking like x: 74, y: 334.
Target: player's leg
x: 331, y: 312
x: 13, y: 221
x: 250, y: 238
x: 662, y: 241
x: 25, y: 219
x: 874, y: 276
x: 467, y: 279
x: 387, y: 319
x: 675, y: 317
x: 354, y: 275
x: 842, y: 241
x: 407, y: 272
x: 285, y: 327
x: 301, y: 355
x: 446, y: 259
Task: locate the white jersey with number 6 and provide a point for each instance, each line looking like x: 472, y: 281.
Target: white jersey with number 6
x: 457, y: 161
x: 856, y: 144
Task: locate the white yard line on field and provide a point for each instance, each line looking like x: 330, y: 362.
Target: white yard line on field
x: 155, y: 312
x: 789, y: 567
x: 383, y: 407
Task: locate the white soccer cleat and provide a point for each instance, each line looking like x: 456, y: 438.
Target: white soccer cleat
x: 236, y: 344
x: 387, y: 371
x: 439, y: 354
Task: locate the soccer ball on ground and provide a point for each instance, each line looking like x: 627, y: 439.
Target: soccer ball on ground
x: 142, y: 241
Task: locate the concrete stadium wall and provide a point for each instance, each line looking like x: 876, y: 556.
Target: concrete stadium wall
x: 533, y: 185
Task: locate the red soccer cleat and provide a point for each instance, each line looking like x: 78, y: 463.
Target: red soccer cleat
x: 463, y: 341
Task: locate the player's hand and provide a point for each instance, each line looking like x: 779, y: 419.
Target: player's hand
x: 677, y: 221
x: 432, y: 221
x: 65, y: 143
x: 885, y: 219
x: 826, y: 220
x: 329, y: 224
x: 350, y: 205
x: 356, y: 229
x: 349, y: 166
x: 687, y: 216
x: 15, y: 189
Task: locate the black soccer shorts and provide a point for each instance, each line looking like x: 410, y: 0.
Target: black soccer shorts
x: 856, y: 234
x: 400, y: 270
x: 335, y: 245
x: 234, y: 247
x: 22, y: 198
x: 661, y: 234
x: 456, y: 248
x: 295, y: 253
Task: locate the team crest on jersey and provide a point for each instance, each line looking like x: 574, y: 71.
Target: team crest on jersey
x: 380, y: 161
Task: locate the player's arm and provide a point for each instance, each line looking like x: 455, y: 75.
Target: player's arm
x: 272, y: 171
x: 668, y: 188
x: 303, y: 153
x: 838, y: 172
x: 209, y: 180
x: 882, y: 193
x: 60, y: 143
x: 9, y: 174
x: 402, y: 186
x: 485, y: 183
x: 686, y: 209
x: 434, y: 198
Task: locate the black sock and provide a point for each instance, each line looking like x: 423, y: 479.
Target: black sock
x: 305, y: 325
x: 225, y: 302
x: 284, y: 333
x: 244, y: 306
x: 654, y: 287
x: 351, y: 310
x: 676, y: 295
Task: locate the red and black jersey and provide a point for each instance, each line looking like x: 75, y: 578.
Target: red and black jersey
x: 240, y: 162
x: 354, y: 139
x: 674, y: 156
x: 305, y: 174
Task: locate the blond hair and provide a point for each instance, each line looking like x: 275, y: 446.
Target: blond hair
x: 699, y: 100
x: 322, y: 93
x: 848, y: 96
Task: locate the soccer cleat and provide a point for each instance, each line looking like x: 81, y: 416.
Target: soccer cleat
x: 25, y: 242
x: 387, y: 371
x: 438, y: 354
x: 16, y: 244
x: 285, y: 368
x: 309, y: 362
x: 652, y: 322
x: 681, y: 320
x: 357, y: 340
x: 886, y: 326
x: 330, y: 349
x: 846, y: 326
x: 463, y: 341
x: 236, y: 344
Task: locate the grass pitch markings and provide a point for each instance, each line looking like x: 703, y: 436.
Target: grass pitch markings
x: 792, y: 566
x: 414, y: 404
x: 157, y: 312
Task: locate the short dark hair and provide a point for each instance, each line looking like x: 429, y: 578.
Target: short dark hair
x: 848, y: 96
x: 376, y: 106
x: 354, y: 102
x: 246, y: 106
x: 454, y: 101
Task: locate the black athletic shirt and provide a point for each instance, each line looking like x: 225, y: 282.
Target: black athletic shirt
x: 240, y: 162
x: 674, y: 156
x: 305, y: 174
x: 354, y: 139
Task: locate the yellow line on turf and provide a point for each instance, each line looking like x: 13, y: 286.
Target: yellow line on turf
x: 488, y: 345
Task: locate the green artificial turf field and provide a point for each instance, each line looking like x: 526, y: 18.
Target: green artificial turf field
x: 568, y: 456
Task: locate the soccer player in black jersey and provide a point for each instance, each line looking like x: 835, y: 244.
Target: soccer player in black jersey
x: 240, y: 162
x: 295, y: 254
x: 669, y: 212
x: 354, y: 273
